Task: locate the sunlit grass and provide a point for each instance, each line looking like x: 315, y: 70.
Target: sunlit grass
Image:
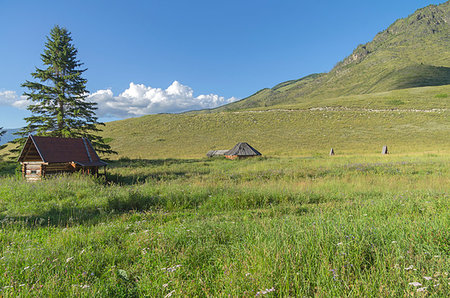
x: 359, y: 125
x: 327, y: 226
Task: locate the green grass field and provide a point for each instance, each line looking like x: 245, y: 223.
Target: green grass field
x: 299, y: 226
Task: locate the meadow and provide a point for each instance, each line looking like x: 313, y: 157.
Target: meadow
x: 165, y: 221
x: 408, y: 120
x: 347, y: 225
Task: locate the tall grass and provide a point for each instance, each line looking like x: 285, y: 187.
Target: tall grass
x: 345, y: 226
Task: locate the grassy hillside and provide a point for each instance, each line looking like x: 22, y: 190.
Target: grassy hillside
x: 410, y: 120
x: 412, y: 52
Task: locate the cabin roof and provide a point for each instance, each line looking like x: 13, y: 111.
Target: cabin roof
x: 56, y: 150
x: 243, y: 149
x: 216, y: 153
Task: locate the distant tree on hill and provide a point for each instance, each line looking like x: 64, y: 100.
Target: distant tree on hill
x: 2, y: 132
x: 59, y: 94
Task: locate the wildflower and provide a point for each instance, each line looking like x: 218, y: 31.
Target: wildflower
x: 427, y: 278
x: 172, y: 269
x: 85, y: 286
x: 421, y: 289
x: 69, y: 259
x: 81, y: 252
x: 334, y: 273
x: 165, y: 285
x: 266, y: 291
x: 409, y: 268
x: 340, y: 243
x: 247, y: 274
x: 394, y: 242
x: 26, y: 268
x: 436, y: 285
x: 415, y: 283
x: 170, y: 294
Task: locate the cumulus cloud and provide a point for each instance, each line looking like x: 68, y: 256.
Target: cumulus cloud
x: 140, y: 100
x: 10, y: 98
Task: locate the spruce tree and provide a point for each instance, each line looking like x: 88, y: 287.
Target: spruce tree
x: 59, y: 95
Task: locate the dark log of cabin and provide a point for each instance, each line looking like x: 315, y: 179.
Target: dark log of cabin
x: 43, y: 156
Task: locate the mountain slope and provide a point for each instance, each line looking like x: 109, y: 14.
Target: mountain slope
x: 407, y: 120
x: 8, y: 136
x: 412, y: 52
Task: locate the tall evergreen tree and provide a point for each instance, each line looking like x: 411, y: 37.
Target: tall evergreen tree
x: 59, y: 94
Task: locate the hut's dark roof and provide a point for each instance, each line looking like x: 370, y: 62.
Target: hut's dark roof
x: 243, y: 149
x: 55, y: 150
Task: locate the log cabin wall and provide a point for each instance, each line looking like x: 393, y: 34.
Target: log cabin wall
x: 32, y: 171
x: 59, y: 167
x: 31, y: 154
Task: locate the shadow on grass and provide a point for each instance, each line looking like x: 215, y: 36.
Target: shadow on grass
x: 7, y: 168
x: 67, y: 216
x: 162, y: 175
x: 139, y: 162
x: 134, y: 201
x: 141, y: 178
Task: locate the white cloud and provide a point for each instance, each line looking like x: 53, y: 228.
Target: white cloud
x: 140, y: 100
x: 10, y: 98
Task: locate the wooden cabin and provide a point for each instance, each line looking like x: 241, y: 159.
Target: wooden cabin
x: 242, y: 150
x: 42, y: 156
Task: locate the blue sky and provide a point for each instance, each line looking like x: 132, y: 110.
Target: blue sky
x: 168, y: 56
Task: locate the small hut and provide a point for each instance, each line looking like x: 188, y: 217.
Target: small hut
x: 384, y: 150
x: 214, y: 153
x: 42, y: 156
x: 241, y: 150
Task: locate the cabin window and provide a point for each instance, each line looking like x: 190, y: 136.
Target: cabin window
x: 33, y: 172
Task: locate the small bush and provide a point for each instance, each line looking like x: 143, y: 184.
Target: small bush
x: 441, y: 95
x: 395, y: 102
